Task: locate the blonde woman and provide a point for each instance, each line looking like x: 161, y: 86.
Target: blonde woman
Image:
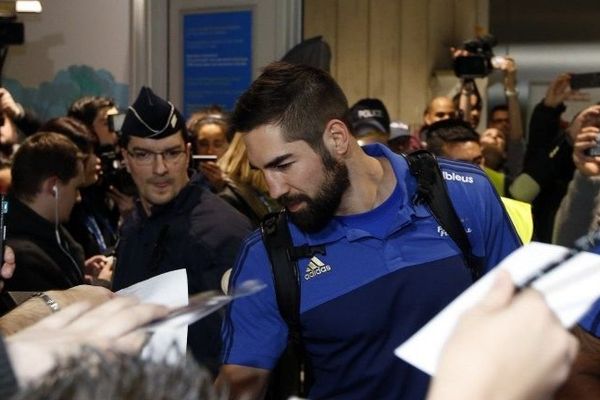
x: 245, y: 188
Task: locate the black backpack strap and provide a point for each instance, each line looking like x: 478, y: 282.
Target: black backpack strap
x: 278, y: 241
x: 432, y: 190
x: 283, y: 255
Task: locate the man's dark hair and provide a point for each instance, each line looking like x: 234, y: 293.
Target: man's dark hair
x: 117, y: 376
x: 41, y: 156
x: 86, y: 108
x: 499, y: 107
x: 75, y: 130
x: 298, y: 98
x: 448, y: 131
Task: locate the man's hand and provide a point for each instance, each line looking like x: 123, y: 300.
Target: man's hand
x: 8, y: 106
x: 507, y: 347
x: 243, y: 382
x: 99, y: 267
x: 8, y: 267
x: 584, y: 381
x: 577, y: 123
x: 213, y: 173
x: 587, y: 138
x: 112, y: 325
x: 35, y: 309
x: 559, y: 91
x: 509, y: 67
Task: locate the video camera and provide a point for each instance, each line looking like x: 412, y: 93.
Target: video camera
x: 114, y: 172
x: 11, y: 32
x: 478, y: 63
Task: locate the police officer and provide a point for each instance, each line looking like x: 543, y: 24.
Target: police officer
x: 177, y: 223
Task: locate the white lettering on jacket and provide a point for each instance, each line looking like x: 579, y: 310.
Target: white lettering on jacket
x: 453, y: 176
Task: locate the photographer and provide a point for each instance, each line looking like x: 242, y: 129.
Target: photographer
x: 580, y: 209
x: 111, y: 197
x: 476, y: 60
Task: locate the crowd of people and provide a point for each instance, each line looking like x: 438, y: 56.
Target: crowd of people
x: 354, y: 260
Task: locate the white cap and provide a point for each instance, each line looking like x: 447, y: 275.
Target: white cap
x: 398, y: 129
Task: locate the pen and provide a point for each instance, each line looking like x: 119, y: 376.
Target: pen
x: 584, y: 243
x: 551, y: 266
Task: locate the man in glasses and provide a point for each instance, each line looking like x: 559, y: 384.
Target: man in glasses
x: 176, y: 223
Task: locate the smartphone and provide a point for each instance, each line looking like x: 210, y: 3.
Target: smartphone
x: 592, y: 119
x: 205, y: 157
x: 587, y: 80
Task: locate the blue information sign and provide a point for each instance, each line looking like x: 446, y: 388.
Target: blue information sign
x: 217, y: 58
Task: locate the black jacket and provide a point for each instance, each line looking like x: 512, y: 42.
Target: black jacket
x: 42, y: 264
x: 549, y: 162
x: 93, y: 210
x: 197, y: 231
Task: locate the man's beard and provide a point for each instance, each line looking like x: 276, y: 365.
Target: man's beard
x: 318, y: 211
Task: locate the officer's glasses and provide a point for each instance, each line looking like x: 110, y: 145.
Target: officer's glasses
x: 147, y: 157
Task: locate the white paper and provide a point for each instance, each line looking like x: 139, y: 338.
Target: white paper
x: 169, y: 289
x: 570, y: 290
x: 205, y: 303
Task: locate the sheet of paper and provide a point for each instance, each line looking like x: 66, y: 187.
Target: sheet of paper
x: 569, y: 290
x: 169, y: 289
x: 205, y: 303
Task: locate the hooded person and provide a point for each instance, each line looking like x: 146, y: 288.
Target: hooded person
x: 177, y: 223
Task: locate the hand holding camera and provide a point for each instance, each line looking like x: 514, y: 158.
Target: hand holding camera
x: 558, y: 91
x: 474, y: 59
x: 586, y: 146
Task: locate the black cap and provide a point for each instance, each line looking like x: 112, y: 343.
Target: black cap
x: 152, y: 117
x: 369, y: 115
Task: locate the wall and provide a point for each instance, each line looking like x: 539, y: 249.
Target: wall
x: 546, y: 38
x: 395, y: 50
x: 74, y: 47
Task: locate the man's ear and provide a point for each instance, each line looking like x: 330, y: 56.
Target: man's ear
x: 337, y: 137
x: 49, y: 186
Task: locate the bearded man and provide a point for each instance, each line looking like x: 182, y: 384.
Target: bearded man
x: 388, y: 265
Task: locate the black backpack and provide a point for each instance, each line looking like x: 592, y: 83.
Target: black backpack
x: 292, y: 374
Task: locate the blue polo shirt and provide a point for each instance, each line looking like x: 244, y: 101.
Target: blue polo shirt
x: 385, y: 273
x: 591, y: 321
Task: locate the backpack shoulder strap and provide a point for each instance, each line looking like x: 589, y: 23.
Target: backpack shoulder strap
x: 283, y: 255
x: 432, y: 190
x: 278, y: 242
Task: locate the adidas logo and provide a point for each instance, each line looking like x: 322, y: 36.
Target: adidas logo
x: 453, y: 176
x: 315, y: 267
